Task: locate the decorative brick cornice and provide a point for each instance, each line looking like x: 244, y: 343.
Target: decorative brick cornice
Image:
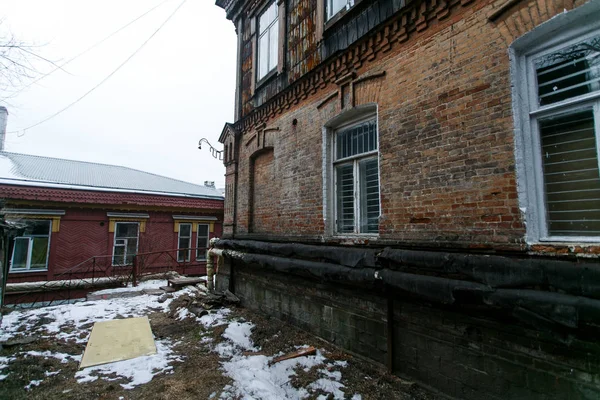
x: 414, y: 17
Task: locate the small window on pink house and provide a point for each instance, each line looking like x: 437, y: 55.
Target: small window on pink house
x: 30, y: 251
x: 202, y: 243
x: 184, y: 243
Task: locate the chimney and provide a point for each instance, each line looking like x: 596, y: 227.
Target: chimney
x: 210, y: 184
x: 3, y: 118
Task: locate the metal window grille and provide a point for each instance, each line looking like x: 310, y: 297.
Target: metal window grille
x: 567, y: 118
x: 356, y: 172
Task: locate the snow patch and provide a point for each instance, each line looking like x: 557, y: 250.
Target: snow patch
x: 138, y: 370
x: 149, y: 284
x: 32, y: 384
x: 62, y: 357
x: 254, y: 377
x: 4, y: 361
x: 329, y: 386
x: 239, y: 334
x: 182, y: 313
x: 80, y: 316
x: 215, y: 318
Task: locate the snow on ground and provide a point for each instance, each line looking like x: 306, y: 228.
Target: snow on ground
x: 238, y: 338
x: 62, y: 357
x: 33, y: 383
x: 4, y: 361
x: 138, y: 370
x: 75, y: 322
x: 81, y: 316
x: 150, y: 284
x: 216, y: 318
x: 255, y: 377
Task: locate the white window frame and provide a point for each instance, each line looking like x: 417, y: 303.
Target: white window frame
x: 562, y: 31
x: 137, y: 245
x: 189, y: 252
x: 348, y: 119
x: 329, y: 8
x: 29, y: 252
x: 201, y: 256
x: 269, y: 30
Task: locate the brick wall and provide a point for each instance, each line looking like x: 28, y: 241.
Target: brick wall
x: 465, y: 354
x: 447, y: 166
x: 84, y: 233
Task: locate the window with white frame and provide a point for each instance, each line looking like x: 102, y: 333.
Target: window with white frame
x: 356, y: 178
x: 202, y: 242
x: 268, y: 38
x: 30, y: 250
x: 184, y: 242
x: 125, y: 243
x: 335, y: 6
x: 561, y: 138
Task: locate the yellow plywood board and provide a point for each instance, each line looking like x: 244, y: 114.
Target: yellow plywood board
x: 117, y: 340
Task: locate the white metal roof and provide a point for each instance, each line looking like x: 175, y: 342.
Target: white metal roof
x: 25, y: 169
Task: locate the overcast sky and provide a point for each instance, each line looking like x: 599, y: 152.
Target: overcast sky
x: 150, y: 114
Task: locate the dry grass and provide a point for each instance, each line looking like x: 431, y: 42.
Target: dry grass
x: 199, y: 375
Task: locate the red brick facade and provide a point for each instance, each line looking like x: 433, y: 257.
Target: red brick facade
x: 439, y: 74
x: 84, y: 229
x: 456, y: 287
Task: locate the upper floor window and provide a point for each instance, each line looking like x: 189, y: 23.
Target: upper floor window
x: 561, y: 138
x: 30, y: 251
x: 356, y: 178
x: 268, y: 35
x: 335, y: 6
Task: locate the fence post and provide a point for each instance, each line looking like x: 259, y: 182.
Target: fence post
x: 134, y: 272
x: 93, y: 269
x: 210, y: 283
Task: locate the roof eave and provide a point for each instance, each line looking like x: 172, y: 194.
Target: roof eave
x: 228, y: 129
x: 231, y: 7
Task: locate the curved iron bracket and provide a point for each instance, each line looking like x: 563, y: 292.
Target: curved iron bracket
x: 215, y: 153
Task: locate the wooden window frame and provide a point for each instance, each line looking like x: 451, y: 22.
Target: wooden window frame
x: 202, y: 256
x: 137, y: 245
x: 559, y: 33
x: 346, y: 120
x: 180, y: 249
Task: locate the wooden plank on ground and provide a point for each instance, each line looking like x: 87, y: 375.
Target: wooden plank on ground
x: 299, y: 353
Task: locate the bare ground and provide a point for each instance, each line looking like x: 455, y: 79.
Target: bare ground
x: 199, y: 376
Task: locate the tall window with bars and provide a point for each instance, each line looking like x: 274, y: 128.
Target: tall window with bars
x: 564, y: 112
x: 356, y: 175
